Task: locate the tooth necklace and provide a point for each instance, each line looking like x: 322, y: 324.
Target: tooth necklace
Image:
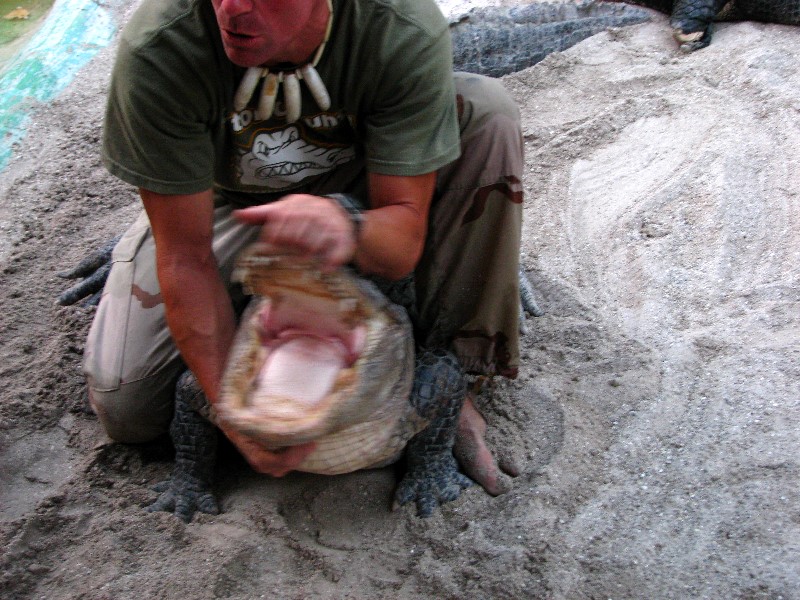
x: 291, y: 85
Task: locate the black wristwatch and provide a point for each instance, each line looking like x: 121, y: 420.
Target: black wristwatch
x: 354, y: 209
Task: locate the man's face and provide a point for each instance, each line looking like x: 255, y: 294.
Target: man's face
x: 259, y: 32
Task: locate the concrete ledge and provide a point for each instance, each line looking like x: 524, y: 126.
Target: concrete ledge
x: 70, y: 36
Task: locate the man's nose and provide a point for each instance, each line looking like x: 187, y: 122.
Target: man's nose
x: 234, y: 8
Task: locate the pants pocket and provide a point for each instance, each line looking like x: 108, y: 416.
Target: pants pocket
x: 107, y: 342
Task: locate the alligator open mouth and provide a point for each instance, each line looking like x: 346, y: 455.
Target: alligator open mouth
x: 296, y: 362
x: 321, y: 357
x: 304, y: 355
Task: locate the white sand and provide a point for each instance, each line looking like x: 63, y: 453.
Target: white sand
x: 657, y: 410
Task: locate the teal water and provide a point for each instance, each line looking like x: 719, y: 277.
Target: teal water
x: 73, y: 32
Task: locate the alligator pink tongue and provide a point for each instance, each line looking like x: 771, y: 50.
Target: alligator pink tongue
x: 303, y: 368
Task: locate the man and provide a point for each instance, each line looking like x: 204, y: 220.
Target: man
x: 352, y: 96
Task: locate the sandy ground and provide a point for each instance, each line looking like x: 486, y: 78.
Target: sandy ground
x: 657, y: 410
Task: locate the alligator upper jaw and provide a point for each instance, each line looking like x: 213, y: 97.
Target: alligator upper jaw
x: 280, y: 277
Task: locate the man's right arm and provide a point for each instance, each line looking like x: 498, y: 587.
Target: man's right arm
x: 198, y: 308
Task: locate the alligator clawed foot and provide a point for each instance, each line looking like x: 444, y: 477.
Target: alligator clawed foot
x: 183, y: 500
x: 689, y: 42
x: 94, y: 269
x: 188, y: 489
x: 692, y: 32
x: 431, y: 484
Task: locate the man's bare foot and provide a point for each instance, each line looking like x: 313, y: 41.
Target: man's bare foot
x: 474, y: 456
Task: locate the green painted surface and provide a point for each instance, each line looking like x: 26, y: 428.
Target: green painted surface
x: 69, y: 37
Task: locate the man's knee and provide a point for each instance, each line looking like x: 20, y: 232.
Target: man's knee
x: 135, y: 412
x: 481, y: 100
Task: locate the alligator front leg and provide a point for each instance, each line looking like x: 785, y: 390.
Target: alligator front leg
x: 432, y: 476
x: 691, y: 22
x: 188, y: 489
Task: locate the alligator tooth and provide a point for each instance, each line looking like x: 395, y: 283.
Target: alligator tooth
x: 291, y: 96
x: 347, y: 305
x: 266, y: 103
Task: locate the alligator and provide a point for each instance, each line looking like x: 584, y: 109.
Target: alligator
x: 322, y: 357
x: 356, y: 418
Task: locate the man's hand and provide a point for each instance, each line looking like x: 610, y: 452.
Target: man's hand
x: 311, y: 225
x: 269, y: 462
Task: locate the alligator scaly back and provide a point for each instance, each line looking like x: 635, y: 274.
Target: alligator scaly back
x: 496, y: 41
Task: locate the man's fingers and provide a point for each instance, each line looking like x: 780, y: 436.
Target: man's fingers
x: 288, y: 459
x: 339, y: 255
x: 310, y: 225
x: 275, y: 462
x: 255, y: 215
x: 294, y: 455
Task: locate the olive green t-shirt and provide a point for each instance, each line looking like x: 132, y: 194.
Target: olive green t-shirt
x: 170, y: 125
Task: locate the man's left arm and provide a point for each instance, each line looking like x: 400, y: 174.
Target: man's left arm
x: 389, y: 242
x: 393, y: 234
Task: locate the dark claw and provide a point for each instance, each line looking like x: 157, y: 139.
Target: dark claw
x: 703, y: 42
x: 92, y: 262
x: 94, y: 299
x: 184, y: 508
x: 165, y: 502
x: 91, y: 286
x: 432, y: 484
x: 526, y: 296
x: 95, y: 269
x: 425, y: 506
x: 207, y: 503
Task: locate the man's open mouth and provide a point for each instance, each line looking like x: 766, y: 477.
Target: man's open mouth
x: 234, y: 34
x: 238, y: 37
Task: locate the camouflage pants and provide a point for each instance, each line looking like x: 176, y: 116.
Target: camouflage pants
x: 466, y: 282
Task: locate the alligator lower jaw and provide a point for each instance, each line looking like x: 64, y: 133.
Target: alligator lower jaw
x: 278, y: 422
